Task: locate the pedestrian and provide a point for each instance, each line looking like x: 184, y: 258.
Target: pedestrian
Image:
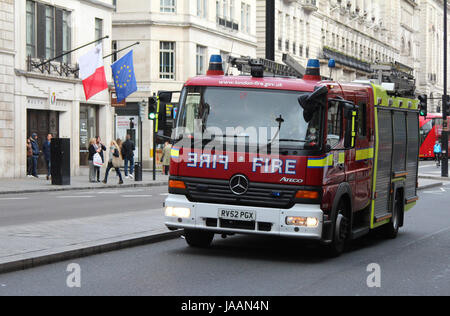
x: 35, y: 152
x: 29, y: 158
x: 437, y: 153
x: 128, y: 149
x: 166, y: 157
x: 100, y: 149
x: 93, y: 149
x: 46, y: 148
x: 114, y: 161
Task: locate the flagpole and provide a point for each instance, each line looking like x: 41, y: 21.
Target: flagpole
x: 120, y: 50
x: 69, y: 52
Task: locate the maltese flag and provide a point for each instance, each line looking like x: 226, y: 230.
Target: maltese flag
x: 92, y: 72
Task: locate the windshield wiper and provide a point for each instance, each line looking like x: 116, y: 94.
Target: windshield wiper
x: 293, y: 140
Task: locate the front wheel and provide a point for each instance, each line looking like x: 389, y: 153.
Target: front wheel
x: 341, y: 233
x: 198, y: 238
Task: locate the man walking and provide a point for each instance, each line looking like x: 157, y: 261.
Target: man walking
x: 46, y: 148
x: 35, y: 150
x: 437, y: 153
x: 128, y: 149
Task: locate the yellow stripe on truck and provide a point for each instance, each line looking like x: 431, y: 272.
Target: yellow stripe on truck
x: 365, y: 154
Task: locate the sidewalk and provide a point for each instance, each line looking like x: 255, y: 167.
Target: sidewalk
x: 31, y: 245
x: 32, y: 185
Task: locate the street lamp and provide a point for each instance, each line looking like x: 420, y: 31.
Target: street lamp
x: 445, y: 101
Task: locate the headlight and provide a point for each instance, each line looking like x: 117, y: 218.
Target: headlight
x: 310, y: 222
x: 180, y: 212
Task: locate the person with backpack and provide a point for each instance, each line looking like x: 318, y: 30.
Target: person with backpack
x: 438, y: 153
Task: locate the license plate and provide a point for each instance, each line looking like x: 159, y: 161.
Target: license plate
x: 242, y: 215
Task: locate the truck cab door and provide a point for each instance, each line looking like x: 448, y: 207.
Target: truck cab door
x: 335, y: 173
x: 364, y: 153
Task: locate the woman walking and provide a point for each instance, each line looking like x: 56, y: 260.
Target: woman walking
x: 114, y: 161
x: 166, y: 157
x: 93, y: 150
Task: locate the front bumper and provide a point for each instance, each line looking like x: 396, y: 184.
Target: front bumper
x: 269, y: 221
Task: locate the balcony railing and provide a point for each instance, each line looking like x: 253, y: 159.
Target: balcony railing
x: 61, y: 69
x: 346, y: 60
x: 309, y: 5
x: 232, y: 25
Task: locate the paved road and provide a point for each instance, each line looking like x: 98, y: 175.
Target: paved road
x: 49, y: 206
x: 417, y: 263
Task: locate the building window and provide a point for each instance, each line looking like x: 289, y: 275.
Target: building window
x: 248, y: 18
x: 168, y: 6
x: 67, y: 36
x: 167, y: 60
x: 224, y: 56
x: 48, y: 32
x: 114, y: 49
x: 201, y: 60
x: 98, y: 29
x: 231, y: 9
x: 202, y: 8
x: 31, y: 29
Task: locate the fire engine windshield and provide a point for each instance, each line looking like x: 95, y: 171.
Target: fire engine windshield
x: 264, y: 117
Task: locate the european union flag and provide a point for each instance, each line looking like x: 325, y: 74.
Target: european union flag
x: 124, y: 78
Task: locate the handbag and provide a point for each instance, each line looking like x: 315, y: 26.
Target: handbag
x: 116, y: 159
x: 98, y: 162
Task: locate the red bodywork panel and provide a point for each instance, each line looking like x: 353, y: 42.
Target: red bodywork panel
x: 429, y: 139
x: 357, y: 173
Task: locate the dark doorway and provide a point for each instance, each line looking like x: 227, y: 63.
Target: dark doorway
x: 42, y: 123
x: 88, y: 130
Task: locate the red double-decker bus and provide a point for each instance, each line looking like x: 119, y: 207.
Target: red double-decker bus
x: 430, y: 131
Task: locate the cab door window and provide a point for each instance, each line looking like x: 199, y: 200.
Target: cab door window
x: 334, y: 119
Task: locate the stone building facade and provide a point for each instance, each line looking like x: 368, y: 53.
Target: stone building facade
x: 7, y: 54
x: 50, y: 99
x: 356, y: 33
x: 177, y: 38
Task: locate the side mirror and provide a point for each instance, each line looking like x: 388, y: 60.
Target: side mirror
x: 310, y: 101
x: 350, y: 128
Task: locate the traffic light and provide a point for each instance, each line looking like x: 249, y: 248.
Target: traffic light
x: 152, y: 108
x: 447, y: 105
x: 423, y: 105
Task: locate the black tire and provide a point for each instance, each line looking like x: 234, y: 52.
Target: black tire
x: 198, y: 238
x: 340, y: 234
x: 391, y: 230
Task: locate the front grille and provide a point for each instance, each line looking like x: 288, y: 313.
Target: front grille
x: 258, y: 194
x: 225, y: 223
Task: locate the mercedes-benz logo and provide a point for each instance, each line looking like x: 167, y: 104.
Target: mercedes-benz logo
x: 239, y: 184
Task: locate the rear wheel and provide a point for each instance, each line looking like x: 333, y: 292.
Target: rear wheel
x: 391, y: 230
x: 341, y: 232
x: 198, y: 238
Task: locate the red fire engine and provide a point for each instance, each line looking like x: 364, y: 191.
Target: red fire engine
x: 281, y: 156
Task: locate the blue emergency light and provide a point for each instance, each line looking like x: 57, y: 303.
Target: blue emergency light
x: 215, y: 66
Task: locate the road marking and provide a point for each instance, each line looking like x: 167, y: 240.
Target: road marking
x: 76, y: 197
x: 136, y: 196
x: 17, y: 198
x: 164, y: 194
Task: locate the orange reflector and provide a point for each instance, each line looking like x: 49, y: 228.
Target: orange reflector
x: 177, y: 184
x: 309, y: 195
